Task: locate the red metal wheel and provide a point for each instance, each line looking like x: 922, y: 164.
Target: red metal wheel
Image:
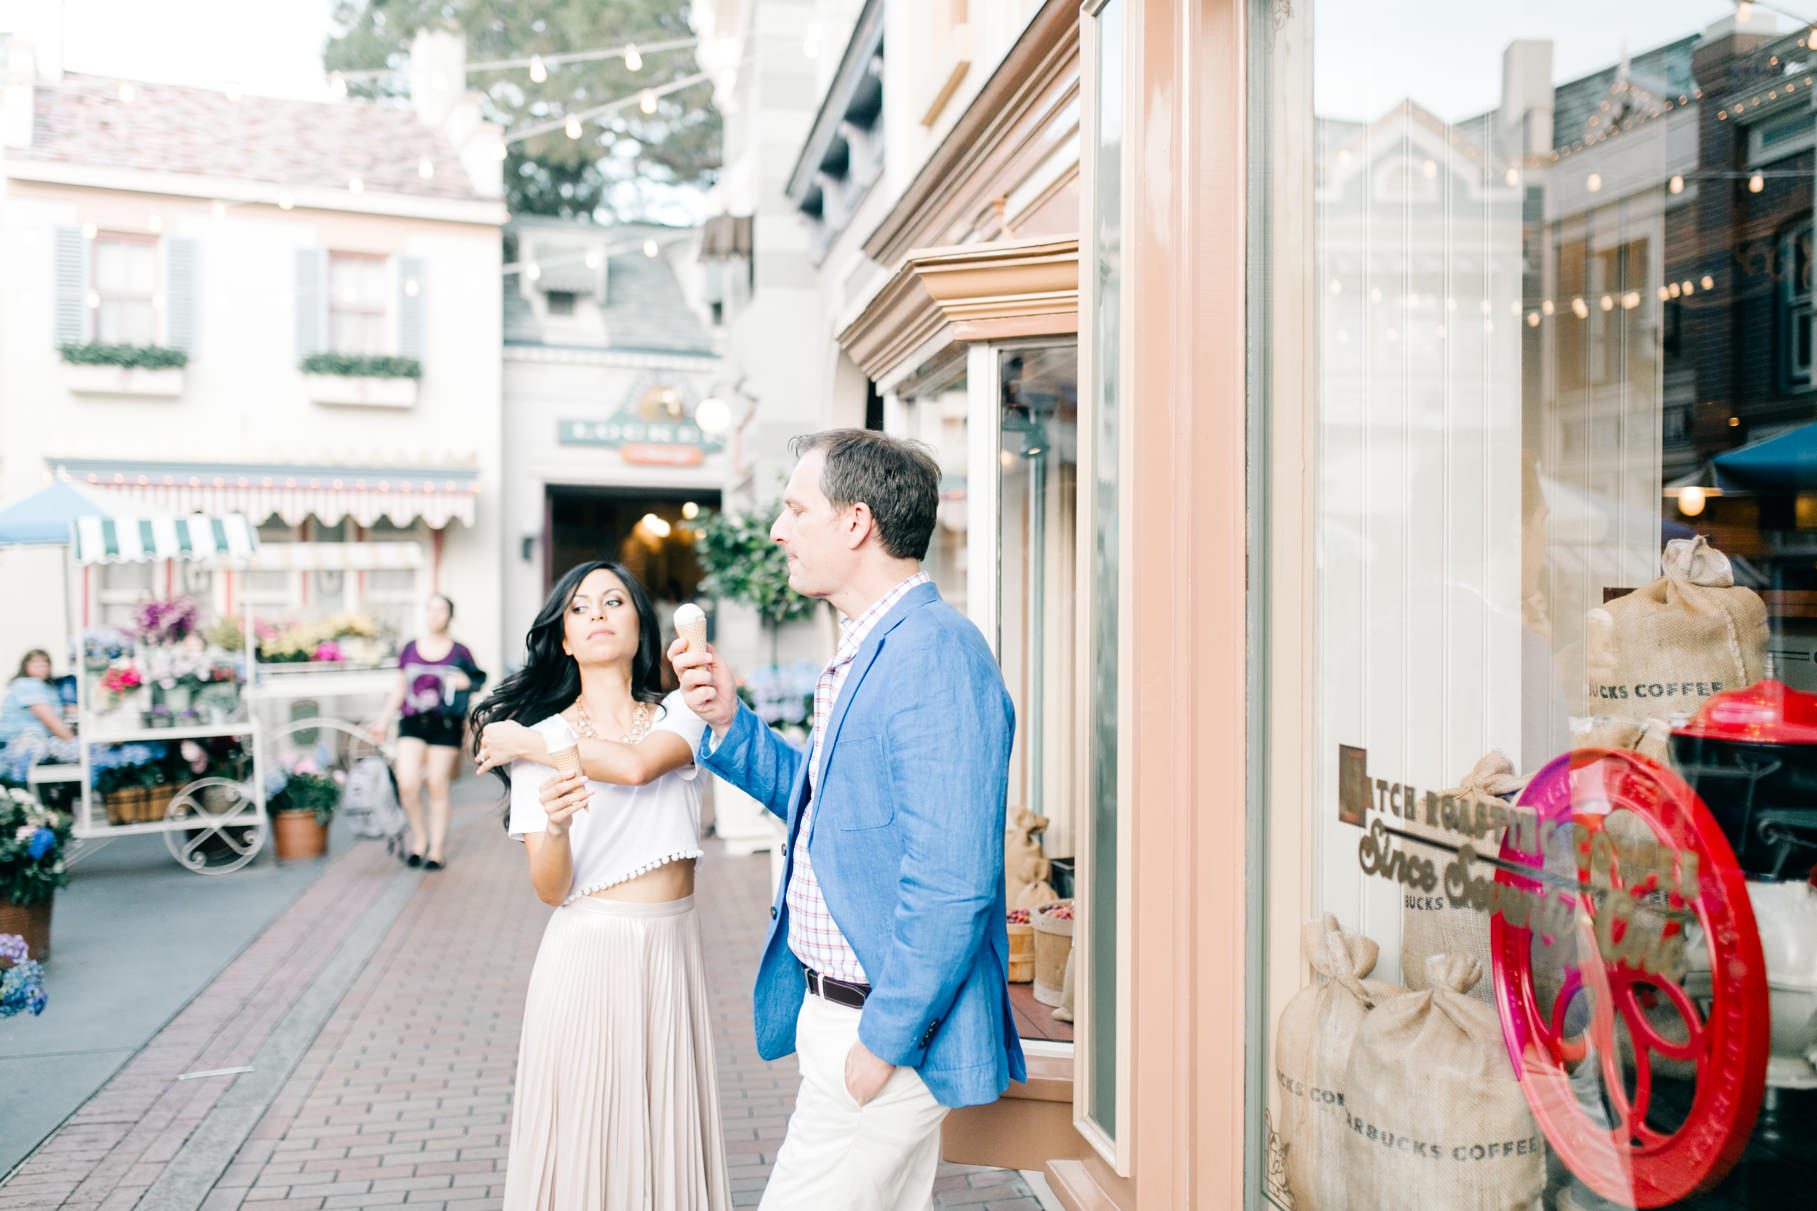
x: 1611, y: 1147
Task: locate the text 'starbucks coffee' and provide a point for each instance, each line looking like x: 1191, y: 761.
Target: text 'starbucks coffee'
x: 1664, y: 649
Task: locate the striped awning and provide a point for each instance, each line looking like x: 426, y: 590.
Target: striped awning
x: 229, y: 539
x: 336, y: 557
x: 364, y: 495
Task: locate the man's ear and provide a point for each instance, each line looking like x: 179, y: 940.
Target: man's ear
x: 859, y: 526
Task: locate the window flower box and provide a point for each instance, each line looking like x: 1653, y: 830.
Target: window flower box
x: 150, y: 371
x: 369, y: 382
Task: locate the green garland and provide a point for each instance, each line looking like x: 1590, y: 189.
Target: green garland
x: 140, y: 357
x: 355, y: 365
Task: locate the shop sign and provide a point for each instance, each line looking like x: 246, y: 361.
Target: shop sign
x: 654, y: 427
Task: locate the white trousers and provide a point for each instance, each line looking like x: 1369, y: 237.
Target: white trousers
x: 877, y: 1157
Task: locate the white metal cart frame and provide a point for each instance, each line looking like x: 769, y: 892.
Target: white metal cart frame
x: 213, y: 824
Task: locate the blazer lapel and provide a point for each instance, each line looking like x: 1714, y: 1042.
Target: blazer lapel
x: 917, y: 597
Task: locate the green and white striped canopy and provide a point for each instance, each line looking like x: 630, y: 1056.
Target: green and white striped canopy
x: 223, y: 539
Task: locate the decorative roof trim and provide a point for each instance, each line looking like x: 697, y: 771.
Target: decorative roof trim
x: 854, y: 67
x: 269, y: 193
x: 977, y: 292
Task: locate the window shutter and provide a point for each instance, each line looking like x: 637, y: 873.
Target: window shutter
x: 312, y: 302
x: 180, y: 294
x: 71, y: 322
x: 410, y: 307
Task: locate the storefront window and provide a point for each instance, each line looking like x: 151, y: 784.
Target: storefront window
x: 1557, y: 847
x: 1037, y: 521
x: 1099, y: 912
x: 933, y: 412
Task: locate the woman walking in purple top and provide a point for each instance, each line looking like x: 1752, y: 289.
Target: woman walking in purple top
x: 436, y: 678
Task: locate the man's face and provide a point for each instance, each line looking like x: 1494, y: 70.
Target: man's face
x: 818, y: 538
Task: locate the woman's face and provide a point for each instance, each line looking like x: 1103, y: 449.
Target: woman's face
x: 600, y: 625
x: 437, y: 615
x: 38, y: 665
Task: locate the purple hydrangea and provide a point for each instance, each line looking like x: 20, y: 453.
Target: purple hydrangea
x: 13, y: 948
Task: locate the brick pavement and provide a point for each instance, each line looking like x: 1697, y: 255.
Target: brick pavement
x: 403, y: 1097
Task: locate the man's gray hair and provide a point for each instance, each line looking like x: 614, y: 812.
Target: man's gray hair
x: 898, y: 479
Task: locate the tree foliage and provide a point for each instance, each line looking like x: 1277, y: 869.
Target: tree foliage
x: 625, y: 164
x: 743, y: 564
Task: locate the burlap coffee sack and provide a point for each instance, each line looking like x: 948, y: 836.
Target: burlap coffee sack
x: 1431, y: 924
x: 1436, y: 1117
x: 1312, y: 1051
x: 1664, y: 649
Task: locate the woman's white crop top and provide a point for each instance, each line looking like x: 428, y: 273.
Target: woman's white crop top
x: 625, y: 831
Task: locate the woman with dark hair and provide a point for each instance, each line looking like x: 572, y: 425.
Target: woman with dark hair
x: 436, y: 677
x: 617, y: 1102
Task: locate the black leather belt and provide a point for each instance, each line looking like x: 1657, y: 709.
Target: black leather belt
x: 839, y: 992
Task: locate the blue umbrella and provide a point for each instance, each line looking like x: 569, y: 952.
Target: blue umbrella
x: 44, y: 518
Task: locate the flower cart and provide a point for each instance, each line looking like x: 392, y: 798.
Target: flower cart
x: 168, y: 744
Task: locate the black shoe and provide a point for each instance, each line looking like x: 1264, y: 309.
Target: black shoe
x: 431, y: 864
x: 413, y: 859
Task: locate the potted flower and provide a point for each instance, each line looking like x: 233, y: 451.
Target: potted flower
x: 32, y: 838
x: 22, y: 980
x: 301, y: 810
x: 120, y: 686
x: 131, y: 782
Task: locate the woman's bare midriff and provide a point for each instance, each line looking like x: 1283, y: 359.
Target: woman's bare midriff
x: 673, y: 881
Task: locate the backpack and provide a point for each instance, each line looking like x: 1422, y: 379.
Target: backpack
x: 370, y: 799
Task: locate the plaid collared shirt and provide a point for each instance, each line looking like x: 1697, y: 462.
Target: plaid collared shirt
x: 813, y: 934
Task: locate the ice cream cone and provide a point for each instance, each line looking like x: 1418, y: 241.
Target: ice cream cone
x: 691, y: 625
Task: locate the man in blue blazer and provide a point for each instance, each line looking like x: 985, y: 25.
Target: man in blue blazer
x: 886, y: 966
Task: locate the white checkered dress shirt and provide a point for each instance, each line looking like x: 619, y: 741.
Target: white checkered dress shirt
x: 813, y: 934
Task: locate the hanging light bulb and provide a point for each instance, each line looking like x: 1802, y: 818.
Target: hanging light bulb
x: 648, y: 104
x: 1580, y: 309
x: 650, y: 248
x: 128, y: 93
x: 1677, y: 185
x: 572, y: 126
x: 425, y: 168
x: 337, y: 84
x: 538, y: 71
x: 1708, y: 282
x: 633, y: 60
x: 1513, y: 178
x: 285, y: 201
x: 1593, y: 182
x: 1608, y: 303
x: 595, y: 258
x: 1744, y: 11
x: 691, y: 510
x: 1756, y: 183
x: 1691, y: 500
x: 533, y: 271
x: 1532, y: 319
x: 1547, y: 308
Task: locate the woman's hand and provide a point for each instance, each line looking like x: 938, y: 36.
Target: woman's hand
x: 377, y: 730
x: 504, y: 742
x: 563, y: 795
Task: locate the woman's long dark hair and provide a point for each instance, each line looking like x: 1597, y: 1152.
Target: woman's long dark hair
x: 550, y: 679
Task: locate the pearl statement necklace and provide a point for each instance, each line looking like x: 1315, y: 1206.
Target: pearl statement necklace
x: 642, y: 716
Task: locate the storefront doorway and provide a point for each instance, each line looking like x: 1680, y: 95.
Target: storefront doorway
x: 649, y: 530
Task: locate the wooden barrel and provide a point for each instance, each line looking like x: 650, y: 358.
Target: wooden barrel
x: 1053, y: 943
x: 1021, y: 953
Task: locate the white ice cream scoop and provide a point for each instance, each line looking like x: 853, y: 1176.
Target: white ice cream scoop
x: 691, y: 625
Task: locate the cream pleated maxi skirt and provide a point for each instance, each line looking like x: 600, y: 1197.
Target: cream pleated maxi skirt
x: 617, y: 1104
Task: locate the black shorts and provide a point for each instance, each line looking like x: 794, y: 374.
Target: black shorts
x: 435, y: 730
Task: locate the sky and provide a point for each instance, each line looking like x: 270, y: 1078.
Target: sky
x: 271, y: 47
x: 1369, y: 55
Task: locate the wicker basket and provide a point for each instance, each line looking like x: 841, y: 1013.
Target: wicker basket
x: 31, y: 922
x: 1021, y: 953
x: 1053, y: 943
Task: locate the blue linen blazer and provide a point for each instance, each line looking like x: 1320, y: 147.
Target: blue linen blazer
x: 907, y: 841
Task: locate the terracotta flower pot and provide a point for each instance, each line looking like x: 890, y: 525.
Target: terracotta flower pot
x: 29, y: 921
x: 298, y: 836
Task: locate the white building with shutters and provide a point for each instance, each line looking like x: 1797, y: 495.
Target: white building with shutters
x: 309, y: 294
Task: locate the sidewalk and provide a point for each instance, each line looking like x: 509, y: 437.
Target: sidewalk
x: 360, y: 1052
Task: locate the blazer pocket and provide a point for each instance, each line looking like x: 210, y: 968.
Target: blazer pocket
x: 865, y: 800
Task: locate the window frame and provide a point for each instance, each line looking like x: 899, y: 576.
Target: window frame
x: 385, y: 311
x: 1795, y: 307
x: 104, y: 299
